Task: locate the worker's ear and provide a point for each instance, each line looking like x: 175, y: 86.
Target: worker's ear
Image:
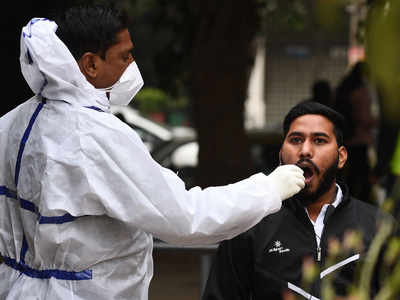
x: 342, y: 151
x: 89, y: 66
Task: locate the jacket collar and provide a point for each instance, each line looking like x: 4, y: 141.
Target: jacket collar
x: 298, y: 208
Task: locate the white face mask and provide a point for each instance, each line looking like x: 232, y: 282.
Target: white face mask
x: 126, y: 87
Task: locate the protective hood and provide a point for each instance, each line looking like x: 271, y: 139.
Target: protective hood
x: 50, y: 69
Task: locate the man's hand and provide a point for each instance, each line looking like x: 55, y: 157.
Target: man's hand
x: 288, y: 179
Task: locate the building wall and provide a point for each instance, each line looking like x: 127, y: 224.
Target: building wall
x: 292, y: 69
x: 296, y: 56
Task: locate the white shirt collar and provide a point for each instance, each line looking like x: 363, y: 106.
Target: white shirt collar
x: 339, y: 196
x: 319, y: 222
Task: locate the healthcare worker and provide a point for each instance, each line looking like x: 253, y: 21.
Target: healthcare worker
x: 80, y: 196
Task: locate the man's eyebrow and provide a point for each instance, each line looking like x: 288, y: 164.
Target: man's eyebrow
x: 295, y: 133
x: 298, y: 133
x: 320, y: 134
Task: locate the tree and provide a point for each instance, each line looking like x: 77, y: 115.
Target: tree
x: 222, y: 57
x: 202, y: 50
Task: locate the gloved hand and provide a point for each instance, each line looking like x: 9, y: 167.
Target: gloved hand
x: 288, y: 179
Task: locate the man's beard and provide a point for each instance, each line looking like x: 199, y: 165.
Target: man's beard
x: 307, y: 197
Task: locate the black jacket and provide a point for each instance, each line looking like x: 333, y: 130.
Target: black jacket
x: 267, y: 261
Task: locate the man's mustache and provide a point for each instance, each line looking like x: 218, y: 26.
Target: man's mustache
x: 310, y: 162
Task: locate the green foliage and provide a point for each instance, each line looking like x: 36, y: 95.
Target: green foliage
x: 360, y: 289
x: 178, y: 104
x: 163, y: 32
x: 151, y: 100
x: 383, y: 48
x: 281, y: 15
x: 329, y: 13
x: 293, y: 18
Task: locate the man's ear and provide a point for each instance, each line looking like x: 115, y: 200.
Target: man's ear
x: 342, y: 156
x: 280, y: 157
x: 88, y: 64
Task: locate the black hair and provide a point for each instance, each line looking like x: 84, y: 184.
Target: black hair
x: 322, y: 92
x: 90, y: 28
x: 351, y: 82
x: 315, y: 108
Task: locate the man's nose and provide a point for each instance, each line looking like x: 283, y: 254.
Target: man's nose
x: 307, y: 149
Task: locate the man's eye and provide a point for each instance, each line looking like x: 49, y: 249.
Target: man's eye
x: 295, y: 140
x: 319, y: 141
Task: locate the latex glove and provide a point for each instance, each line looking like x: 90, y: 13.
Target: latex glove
x: 288, y: 180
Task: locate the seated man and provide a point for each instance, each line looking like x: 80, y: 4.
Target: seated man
x: 268, y: 261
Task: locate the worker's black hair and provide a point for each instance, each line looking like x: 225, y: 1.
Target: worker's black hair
x: 90, y: 28
x: 315, y: 108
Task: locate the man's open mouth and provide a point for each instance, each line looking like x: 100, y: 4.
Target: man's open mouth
x: 308, y: 172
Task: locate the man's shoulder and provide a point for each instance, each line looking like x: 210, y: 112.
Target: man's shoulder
x: 370, y: 213
x: 276, y: 217
x: 271, y: 223
x: 364, y: 207
x: 99, y: 122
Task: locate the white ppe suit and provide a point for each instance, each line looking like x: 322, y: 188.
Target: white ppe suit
x: 81, y: 197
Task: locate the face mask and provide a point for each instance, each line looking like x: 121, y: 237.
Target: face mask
x: 127, y: 86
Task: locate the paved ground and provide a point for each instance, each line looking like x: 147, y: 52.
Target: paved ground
x: 177, y: 275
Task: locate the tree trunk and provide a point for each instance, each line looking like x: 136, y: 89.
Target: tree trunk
x: 223, y: 55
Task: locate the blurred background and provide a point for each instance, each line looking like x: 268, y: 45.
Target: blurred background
x: 221, y: 75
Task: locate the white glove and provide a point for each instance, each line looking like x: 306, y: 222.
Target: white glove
x: 288, y: 180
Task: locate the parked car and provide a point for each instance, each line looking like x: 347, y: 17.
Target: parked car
x: 181, y: 154
x: 177, y: 148
x: 153, y: 134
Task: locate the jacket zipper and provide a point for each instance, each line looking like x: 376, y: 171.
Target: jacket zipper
x: 319, y: 253
x: 316, y: 245
x: 319, y: 250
